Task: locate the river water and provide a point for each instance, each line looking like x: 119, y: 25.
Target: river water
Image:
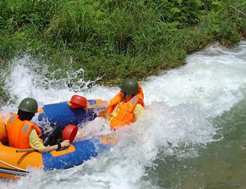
x: 191, y: 135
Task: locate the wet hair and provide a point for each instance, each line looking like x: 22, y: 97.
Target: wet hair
x: 25, y: 115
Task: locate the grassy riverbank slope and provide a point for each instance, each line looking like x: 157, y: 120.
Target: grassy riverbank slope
x: 115, y: 39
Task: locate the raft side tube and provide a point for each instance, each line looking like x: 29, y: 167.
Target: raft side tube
x: 84, y: 150
x: 14, y: 164
x: 62, y: 114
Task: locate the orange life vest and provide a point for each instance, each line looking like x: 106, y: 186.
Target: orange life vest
x: 125, y: 112
x: 18, y: 131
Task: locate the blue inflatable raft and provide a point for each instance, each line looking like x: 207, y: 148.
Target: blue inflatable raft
x: 14, y: 164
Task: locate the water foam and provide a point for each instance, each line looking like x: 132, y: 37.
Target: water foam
x: 175, y: 121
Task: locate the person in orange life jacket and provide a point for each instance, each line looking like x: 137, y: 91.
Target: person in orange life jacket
x: 127, y: 105
x: 23, y: 133
x: 124, y: 108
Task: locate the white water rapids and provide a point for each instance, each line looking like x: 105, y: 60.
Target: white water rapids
x: 179, y: 105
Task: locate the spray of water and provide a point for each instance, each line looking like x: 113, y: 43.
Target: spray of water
x: 179, y: 105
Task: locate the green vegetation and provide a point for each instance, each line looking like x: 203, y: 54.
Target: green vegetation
x: 116, y: 39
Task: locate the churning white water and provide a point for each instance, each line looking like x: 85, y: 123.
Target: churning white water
x: 179, y: 105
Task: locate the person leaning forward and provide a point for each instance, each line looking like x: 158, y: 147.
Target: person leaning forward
x: 126, y: 106
x: 23, y: 133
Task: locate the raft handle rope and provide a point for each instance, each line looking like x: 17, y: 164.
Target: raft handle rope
x: 13, y: 166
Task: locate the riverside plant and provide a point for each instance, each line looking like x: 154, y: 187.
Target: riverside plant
x: 114, y: 39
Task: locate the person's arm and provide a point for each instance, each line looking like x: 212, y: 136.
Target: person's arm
x: 64, y: 143
x: 137, y: 111
x: 103, y: 104
x: 6, y: 120
x: 36, y: 144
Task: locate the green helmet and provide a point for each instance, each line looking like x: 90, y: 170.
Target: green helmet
x: 130, y: 86
x: 28, y: 105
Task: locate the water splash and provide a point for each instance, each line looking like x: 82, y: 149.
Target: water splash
x: 180, y: 104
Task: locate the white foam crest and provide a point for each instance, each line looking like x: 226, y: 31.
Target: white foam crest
x: 208, y: 79
x: 24, y: 81
x: 170, y: 129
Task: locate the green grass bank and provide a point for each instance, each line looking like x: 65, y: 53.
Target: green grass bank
x: 115, y: 39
